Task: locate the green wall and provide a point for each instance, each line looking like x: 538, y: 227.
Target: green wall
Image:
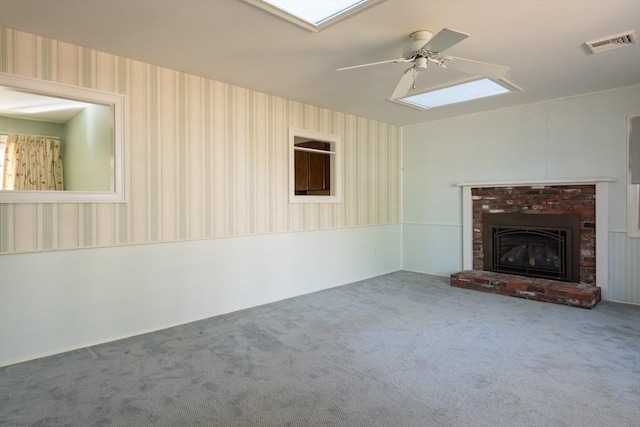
x: 88, y: 150
x: 11, y: 125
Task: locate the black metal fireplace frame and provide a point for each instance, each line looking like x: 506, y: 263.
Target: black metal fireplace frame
x: 566, y: 225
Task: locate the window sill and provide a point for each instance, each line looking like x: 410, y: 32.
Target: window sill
x: 314, y: 199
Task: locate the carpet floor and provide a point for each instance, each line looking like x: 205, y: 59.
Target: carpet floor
x: 403, y: 349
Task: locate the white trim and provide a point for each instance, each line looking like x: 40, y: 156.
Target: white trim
x: 313, y: 150
x: 633, y: 210
x: 401, y: 193
x: 602, y: 221
x: 467, y: 229
x: 336, y: 166
x: 562, y: 181
x: 625, y: 302
x: 115, y: 100
x: 633, y: 190
x: 602, y: 238
x: 433, y: 224
x: 430, y: 273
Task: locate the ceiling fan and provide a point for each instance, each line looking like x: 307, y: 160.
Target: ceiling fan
x: 424, y: 48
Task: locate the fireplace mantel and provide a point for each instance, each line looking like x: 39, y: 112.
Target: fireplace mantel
x: 535, y: 183
x: 602, y: 218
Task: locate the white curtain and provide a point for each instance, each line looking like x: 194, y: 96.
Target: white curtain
x: 32, y: 163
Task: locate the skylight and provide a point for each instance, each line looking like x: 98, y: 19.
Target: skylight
x: 467, y: 91
x: 315, y: 12
x: 312, y: 14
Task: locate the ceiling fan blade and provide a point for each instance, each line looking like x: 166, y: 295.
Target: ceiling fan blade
x: 444, y: 40
x: 375, y: 63
x: 469, y: 66
x: 405, y: 83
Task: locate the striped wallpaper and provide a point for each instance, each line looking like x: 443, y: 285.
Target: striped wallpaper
x: 204, y: 159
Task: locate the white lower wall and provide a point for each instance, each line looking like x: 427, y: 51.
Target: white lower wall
x: 624, y: 269
x: 56, y: 301
x: 432, y: 249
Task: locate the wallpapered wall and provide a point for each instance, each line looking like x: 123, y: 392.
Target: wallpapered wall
x: 204, y: 159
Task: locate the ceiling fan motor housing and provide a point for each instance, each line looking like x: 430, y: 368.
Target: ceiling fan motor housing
x: 415, y: 46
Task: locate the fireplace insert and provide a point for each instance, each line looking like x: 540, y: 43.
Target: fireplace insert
x: 536, y: 245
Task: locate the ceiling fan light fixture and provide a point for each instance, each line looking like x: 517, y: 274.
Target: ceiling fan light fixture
x: 459, y: 92
x: 425, y: 48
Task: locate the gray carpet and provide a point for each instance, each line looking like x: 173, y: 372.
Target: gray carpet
x: 403, y: 349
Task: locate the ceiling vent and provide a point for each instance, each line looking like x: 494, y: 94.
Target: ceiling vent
x: 615, y: 41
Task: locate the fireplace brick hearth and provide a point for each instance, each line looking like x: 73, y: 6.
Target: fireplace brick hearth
x: 546, y: 290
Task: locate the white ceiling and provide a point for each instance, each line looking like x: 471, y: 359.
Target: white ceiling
x: 25, y: 105
x: 234, y: 42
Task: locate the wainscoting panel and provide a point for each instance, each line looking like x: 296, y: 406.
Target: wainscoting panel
x: 204, y: 159
x: 61, y: 300
x: 624, y: 268
x: 432, y: 249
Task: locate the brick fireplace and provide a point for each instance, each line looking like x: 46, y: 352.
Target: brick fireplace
x: 536, y: 268
x: 562, y: 200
